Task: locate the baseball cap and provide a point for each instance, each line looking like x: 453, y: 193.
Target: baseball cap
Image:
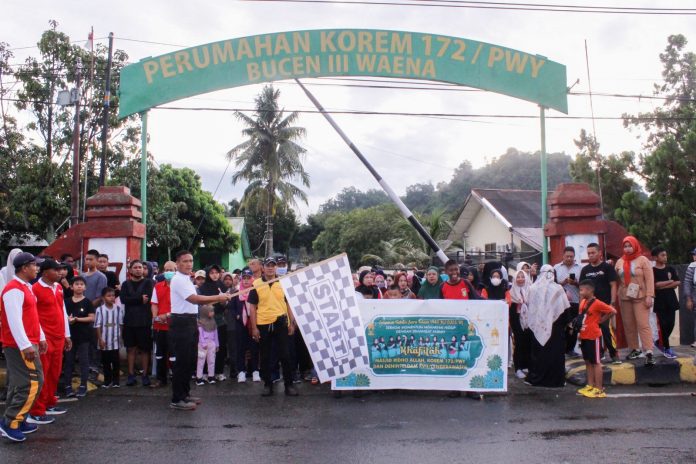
x: 200, y: 273
x: 269, y: 261
x: 50, y: 264
x: 247, y: 273
x: 281, y: 259
x: 25, y: 258
x: 693, y: 252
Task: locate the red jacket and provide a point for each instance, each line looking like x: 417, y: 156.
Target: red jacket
x: 30, y: 315
x: 50, y: 308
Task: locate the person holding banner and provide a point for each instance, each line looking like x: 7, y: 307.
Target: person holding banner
x: 272, y: 322
x: 546, y: 319
x: 457, y: 288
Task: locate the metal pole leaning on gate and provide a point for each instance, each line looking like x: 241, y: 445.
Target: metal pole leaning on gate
x: 143, y: 181
x: 392, y: 195
x: 544, y: 186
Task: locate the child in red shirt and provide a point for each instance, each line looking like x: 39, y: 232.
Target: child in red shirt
x: 595, y: 312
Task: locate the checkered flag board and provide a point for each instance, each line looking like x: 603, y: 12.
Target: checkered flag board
x: 323, y: 300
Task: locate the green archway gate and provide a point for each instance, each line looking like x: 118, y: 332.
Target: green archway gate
x: 229, y: 63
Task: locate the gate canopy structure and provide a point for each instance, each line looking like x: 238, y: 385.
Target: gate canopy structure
x: 262, y: 58
x: 341, y: 52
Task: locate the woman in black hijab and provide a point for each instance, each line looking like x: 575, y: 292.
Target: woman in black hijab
x: 213, y: 286
x: 366, y: 281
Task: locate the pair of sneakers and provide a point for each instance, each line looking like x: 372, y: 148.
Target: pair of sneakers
x: 18, y: 434
x: 242, y: 377
x: 81, y: 391
x: 588, y: 391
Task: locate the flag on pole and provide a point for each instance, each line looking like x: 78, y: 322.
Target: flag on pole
x: 323, y: 300
x: 89, y: 45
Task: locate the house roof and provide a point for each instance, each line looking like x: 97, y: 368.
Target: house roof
x: 518, y: 210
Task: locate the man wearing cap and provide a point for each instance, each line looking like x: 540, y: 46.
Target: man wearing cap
x: 54, y: 322
x: 272, y: 322
x: 23, y: 342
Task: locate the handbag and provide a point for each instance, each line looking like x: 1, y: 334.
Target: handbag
x: 579, y: 320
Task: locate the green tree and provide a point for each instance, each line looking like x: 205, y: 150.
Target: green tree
x: 40, y: 161
x: 180, y: 213
x: 285, y: 224
x: 669, y: 165
x: 270, y: 159
x: 351, y: 198
x: 613, y: 170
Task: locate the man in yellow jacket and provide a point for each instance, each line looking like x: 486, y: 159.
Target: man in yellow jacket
x: 271, y: 321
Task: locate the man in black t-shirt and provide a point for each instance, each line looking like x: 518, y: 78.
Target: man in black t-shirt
x: 136, y: 294
x: 666, y: 302
x: 606, y: 283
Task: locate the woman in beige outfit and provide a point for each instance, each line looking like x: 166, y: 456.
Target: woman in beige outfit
x: 636, y: 292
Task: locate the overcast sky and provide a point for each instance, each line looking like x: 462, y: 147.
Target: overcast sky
x: 623, y: 52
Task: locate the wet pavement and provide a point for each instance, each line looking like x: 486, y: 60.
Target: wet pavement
x: 236, y: 425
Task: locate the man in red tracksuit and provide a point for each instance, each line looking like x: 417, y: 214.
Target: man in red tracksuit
x: 54, y: 322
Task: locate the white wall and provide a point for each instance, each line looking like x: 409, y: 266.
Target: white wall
x: 485, y: 228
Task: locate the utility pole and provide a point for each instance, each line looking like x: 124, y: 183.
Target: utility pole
x: 107, y: 103
x: 75, y: 194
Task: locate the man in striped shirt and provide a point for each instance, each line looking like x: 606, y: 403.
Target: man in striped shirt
x: 108, y: 322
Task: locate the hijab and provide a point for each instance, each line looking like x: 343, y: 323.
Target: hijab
x: 547, y: 301
x: 520, y: 296
x: 521, y: 265
x: 204, y: 319
x: 211, y: 287
x: 375, y: 291
x: 430, y: 291
x: 627, y: 259
x: 8, y: 272
x: 497, y: 292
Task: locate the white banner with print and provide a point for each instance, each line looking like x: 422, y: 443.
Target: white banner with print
x: 433, y: 345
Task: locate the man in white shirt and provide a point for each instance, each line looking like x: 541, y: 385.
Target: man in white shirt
x: 567, y: 275
x: 183, y: 330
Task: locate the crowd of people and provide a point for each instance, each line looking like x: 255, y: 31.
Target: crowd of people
x: 183, y: 326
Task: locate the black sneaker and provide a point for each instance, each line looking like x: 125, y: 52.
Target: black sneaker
x: 267, y: 390
x: 290, y: 390
x: 649, y: 360
x: 200, y: 382
x: 635, y: 354
x: 183, y: 406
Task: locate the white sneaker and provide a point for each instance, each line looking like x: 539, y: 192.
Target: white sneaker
x: 221, y: 377
x: 519, y: 374
x: 255, y: 376
x: 241, y: 377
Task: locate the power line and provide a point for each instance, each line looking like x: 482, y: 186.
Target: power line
x: 499, y: 6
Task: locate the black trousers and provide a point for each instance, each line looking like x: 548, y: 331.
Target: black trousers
x: 111, y: 364
x: 608, y: 338
x: 162, y: 354
x: 523, y: 341
x: 221, y: 354
x: 571, y: 336
x: 276, y: 333
x: 665, y: 318
x: 184, y: 339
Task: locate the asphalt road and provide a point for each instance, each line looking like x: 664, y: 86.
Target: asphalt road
x: 236, y: 425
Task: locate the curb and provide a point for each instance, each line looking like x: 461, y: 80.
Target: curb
x: 664, y: 372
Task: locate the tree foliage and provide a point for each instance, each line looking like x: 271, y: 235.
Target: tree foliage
x: 270, y: 159
x: 37, y: 154
x: 614, y: 172
x: 177, y: 204
x: 668, y: 167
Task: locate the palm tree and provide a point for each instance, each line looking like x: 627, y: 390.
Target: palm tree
x: 269, y: 159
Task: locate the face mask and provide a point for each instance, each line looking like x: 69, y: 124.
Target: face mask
x: 168, y: 275
x: 382, y: 284
x: 282, y: 271
x: 495, y: 281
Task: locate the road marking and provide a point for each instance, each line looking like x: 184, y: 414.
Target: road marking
x: 645, y: 395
